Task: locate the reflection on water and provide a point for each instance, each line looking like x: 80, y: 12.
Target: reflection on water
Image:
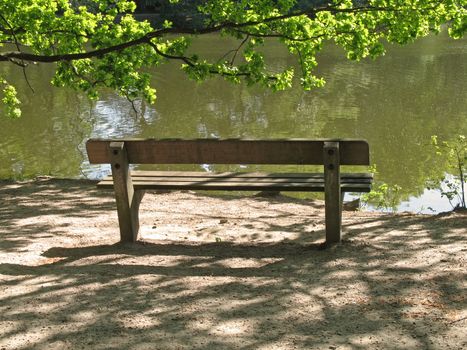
x: 396, y: 102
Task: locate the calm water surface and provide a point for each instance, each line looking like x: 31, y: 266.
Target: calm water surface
x: 396, y: 102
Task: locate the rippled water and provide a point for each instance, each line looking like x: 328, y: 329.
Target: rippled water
x: 396, y: 102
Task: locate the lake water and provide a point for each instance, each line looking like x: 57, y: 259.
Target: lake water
x: 396, y: 102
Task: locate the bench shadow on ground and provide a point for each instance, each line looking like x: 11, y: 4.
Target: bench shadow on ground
x: 174, y: 295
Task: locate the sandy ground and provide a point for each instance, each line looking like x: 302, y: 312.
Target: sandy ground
x: 223, y: 273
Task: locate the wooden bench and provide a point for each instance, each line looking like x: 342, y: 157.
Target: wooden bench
x: 129, y: 186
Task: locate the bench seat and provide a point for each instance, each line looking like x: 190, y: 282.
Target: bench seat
x: 229, y: 181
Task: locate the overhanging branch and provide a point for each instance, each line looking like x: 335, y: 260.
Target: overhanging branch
x: 31, y: 57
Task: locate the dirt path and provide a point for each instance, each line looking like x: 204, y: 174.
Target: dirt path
x: 223, y: 273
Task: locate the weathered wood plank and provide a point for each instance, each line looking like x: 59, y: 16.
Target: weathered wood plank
x: 332, y: 192
x: 126, y: 197
x: 229, y: 187
x: 240, y: 174
x: 241, y: 181
x: 245, y: 180
x: 230, y: 151
x: 239, y: 186
x: 243, y: 176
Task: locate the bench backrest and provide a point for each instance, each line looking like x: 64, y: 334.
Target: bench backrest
x: 229, y: 151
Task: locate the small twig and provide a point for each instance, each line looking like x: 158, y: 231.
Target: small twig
x: 460, y: 319
x: 286, y: 37
x: 225, y: 55
x: 185, y: 59
x: 18, y: 47
x: 93, y: 83
x: 278, y: 35
x: 300, y: 58
x: 235, y: 51
x: 462, y: 177
x: 189, y: 62
x: 27, y: 79
x: 132, y: 101
x: 238, y: 49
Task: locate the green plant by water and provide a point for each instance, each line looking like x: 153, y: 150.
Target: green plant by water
x: 452, y: 183
x: 383, y: 196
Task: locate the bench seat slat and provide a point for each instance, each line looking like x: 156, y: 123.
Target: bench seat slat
x: 240, y: 186
x: 310, y: 182
x: 199, y: 176
x: 173, y: 174
x: 143, y: 179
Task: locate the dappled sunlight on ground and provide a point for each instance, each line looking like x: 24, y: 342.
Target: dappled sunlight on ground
x: 223, y: 273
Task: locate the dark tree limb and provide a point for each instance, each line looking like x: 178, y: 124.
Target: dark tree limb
x: 145, y: 39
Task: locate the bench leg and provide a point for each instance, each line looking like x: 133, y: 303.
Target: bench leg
x: 128, y: 200
x: 332, y: 192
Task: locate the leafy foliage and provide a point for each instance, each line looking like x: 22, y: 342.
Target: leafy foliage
x: 10, y: 100
x: 383, y: 196
x: 454, y: 153
x: 99, y: 43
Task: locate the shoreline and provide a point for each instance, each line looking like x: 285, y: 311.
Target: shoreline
x: 85, y: 180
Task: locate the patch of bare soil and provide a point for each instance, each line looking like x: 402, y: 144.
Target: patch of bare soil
x: 223, y: 273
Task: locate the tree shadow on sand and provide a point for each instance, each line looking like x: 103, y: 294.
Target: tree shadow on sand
x: 394, y: 283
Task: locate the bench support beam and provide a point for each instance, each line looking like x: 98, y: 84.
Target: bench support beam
x: 127, y: 198
x: 332, y: 192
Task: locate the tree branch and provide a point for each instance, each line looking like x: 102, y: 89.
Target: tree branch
x: 17, y: 44
x: 190, y: 62
x: 31, y: 57
x: 185, y: 59
x: 238, y: 49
